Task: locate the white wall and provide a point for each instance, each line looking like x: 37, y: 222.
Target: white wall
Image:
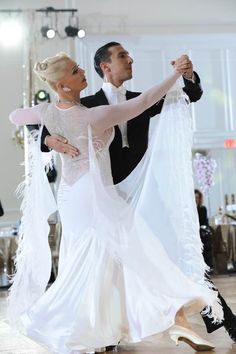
x: 150, y: 16
x: 101, y: 17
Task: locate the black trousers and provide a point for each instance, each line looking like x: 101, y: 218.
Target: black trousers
x: 211, y: 327
x: 206, y: 236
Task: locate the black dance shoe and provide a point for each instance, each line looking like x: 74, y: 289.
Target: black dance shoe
x: 111, y: 347
x: 106, y: 349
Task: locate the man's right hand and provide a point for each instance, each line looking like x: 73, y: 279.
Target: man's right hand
x: 60, y: 144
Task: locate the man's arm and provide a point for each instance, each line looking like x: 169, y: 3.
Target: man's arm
x: 45, y: 133
x: 192, y: 86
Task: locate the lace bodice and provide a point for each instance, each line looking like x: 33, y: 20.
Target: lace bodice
x: 72, y: 124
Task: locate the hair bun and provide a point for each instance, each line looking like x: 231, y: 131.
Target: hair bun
x: 52, y: 69
x: 41, y: 66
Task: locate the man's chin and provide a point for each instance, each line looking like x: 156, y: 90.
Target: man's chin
x: 85, y: 85
x: 128, y: 77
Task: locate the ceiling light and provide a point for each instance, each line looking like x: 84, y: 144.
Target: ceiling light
x: 11, y: 32
x: 74, y: 32
x: 48, y: 32
x: 81, y: 33
x: 41, y: 96
x: 71, y: 31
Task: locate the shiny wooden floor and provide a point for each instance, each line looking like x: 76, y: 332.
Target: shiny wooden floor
x: 18, y: 344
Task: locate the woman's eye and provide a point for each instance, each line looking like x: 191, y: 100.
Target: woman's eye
x: 75, y: 71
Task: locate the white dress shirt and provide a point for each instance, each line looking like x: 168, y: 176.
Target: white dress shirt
x: 116, y: 95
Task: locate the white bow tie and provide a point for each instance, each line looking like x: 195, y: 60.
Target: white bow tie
x: 121, y: 89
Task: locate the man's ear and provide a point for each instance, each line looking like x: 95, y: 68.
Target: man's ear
x: 105, y: 67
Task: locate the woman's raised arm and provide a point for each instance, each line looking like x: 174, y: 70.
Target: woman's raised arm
x: 104, y: 117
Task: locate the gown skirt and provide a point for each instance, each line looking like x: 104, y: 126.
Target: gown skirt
x: 130, y: 255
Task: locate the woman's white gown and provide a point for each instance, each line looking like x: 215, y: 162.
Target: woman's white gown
x: 130, y: 255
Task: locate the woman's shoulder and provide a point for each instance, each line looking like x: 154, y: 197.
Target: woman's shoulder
x: 42, y: 107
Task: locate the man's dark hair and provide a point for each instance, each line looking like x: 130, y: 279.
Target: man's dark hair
x: 102, y: 55
x: 197, y: 191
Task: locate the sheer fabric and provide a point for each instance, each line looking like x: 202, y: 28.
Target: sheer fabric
x: 130, y: 255
x: 161, y: 188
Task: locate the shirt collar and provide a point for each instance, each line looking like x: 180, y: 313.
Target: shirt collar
x: 109, y: 88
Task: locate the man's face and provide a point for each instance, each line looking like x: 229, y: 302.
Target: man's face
x: 197, y: 199
x: 120, y: 65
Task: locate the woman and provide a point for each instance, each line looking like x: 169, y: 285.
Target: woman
x: 113, y: 283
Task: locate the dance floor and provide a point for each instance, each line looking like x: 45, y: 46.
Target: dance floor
x: 18, y: 344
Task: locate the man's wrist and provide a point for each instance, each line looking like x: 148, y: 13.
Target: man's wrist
x: 192, y: 78
x: 45, y: 142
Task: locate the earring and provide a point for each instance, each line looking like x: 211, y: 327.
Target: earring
x: 66, y: 89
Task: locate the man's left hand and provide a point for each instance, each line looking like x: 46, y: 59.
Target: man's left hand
x: 185, y: 64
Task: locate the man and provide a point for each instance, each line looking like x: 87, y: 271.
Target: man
x: 114, y: 64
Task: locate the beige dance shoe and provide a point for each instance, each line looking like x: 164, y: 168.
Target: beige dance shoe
x: 178, y: 333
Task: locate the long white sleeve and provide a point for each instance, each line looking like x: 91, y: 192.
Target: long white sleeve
x: 107, y: 116
x: 24, y: 116
x: 104, y: 117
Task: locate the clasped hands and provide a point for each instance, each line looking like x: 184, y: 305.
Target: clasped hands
x: 183, y: 66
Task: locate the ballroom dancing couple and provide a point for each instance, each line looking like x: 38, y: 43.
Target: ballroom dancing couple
x: 130, y: 263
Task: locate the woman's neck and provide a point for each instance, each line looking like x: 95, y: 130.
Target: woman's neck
x: 68, y: 100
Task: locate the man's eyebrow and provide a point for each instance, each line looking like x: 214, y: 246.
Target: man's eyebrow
x: 123, y: 52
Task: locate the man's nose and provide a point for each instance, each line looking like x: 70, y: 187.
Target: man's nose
x: 130, y: 60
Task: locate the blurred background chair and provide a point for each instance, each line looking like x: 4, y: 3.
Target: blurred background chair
x: 8, y: 245
x: 54, y: 242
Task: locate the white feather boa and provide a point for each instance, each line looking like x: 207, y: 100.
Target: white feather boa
x: 33, y: 258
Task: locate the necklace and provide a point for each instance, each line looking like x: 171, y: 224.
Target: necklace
x: 78, y: 104
x: 66, y: 101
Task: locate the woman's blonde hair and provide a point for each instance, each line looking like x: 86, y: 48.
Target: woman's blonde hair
x: 52, y: 69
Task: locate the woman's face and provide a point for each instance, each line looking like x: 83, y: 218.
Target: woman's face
x: 75, y: 77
